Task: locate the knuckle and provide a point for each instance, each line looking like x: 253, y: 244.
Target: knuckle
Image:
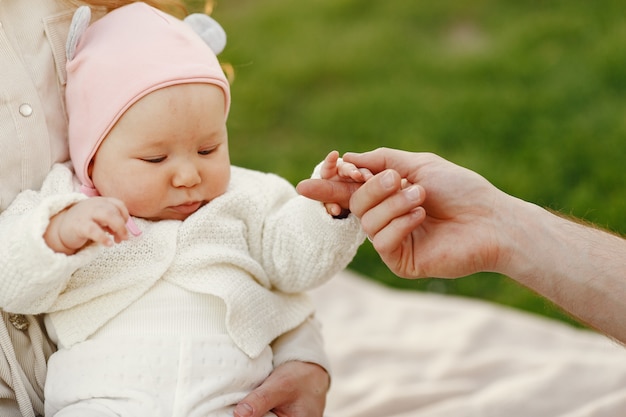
x: 260, y: 397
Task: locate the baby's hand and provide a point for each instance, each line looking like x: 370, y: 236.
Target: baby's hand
x: 335, y: 169
x: 96, y: 219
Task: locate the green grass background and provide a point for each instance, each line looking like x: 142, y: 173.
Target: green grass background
x: 531, y: 94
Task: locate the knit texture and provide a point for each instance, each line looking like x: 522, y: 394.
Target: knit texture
x: 258, y: 247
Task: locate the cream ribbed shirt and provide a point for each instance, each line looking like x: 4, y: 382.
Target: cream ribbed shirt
x: 33, y: 123
x: 32, y: 137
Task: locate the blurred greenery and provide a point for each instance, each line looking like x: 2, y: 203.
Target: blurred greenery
x: 531, y: 94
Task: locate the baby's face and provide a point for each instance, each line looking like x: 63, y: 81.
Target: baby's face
x: 168, y: 154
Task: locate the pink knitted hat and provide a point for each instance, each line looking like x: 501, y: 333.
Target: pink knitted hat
x: 127, y: 54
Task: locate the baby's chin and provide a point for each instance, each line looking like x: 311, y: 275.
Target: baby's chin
x: 180, y: 212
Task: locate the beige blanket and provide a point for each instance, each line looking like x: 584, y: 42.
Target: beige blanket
x: 407, y: 354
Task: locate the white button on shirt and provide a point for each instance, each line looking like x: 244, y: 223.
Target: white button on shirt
x: 33, y: 124
x: 26, y: 110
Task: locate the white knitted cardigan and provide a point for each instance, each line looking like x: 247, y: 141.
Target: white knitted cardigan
x: 258, y: 247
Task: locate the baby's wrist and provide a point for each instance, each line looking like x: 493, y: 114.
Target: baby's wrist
x: 52, y: 236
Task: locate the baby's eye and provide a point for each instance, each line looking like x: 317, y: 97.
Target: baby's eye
x: 206, y: 151
x: 154, y: 160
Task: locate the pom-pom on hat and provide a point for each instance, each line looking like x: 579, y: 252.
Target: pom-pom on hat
x: 127, y: 54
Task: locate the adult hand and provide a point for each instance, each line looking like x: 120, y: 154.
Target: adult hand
x: 451, y: 222
x: 443, y: 224
x: 293, y: 389
x: 440, y: 222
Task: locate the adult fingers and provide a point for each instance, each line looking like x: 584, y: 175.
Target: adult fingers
x: 374, y: 191
x: 381, y: 159
x: 394, y: 207
x: 328, y: 191
x: 256, y: 404
x: 396, y: 235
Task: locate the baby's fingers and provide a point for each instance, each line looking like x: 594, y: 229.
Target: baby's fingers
x: 117, y: 231
x: 106, y: 230
x: 347, y: 170
x: 107, y: 223
x: 333, y: 209
x: 99, y: 233
x: 366, y: 174
x: 116, y: 225
x: 329, y: 166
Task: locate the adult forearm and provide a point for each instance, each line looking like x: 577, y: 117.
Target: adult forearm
x: 579, y: 267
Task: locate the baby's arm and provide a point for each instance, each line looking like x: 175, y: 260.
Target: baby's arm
x: 93, y: 220
x: 335, y: 169
x: 302, y: 245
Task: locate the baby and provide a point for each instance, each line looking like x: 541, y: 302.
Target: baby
x: 178, y: 317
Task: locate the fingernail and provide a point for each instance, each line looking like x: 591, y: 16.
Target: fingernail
x: 412, y: 193
x: 243, y: 410
x: 386, y: 180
